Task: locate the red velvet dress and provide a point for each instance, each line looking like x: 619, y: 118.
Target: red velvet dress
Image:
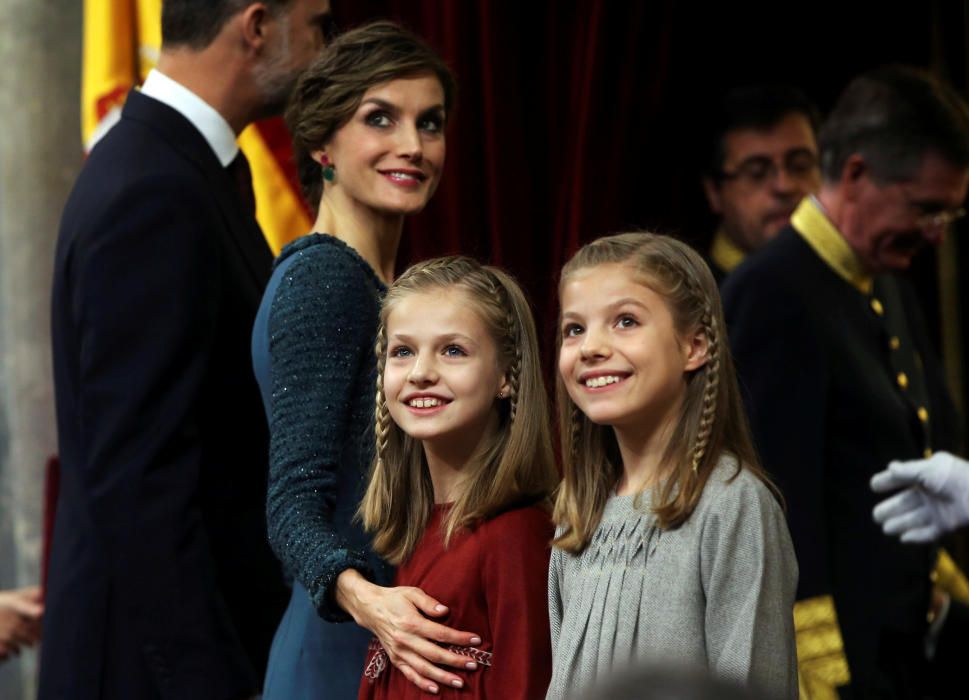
x: 494, y: 580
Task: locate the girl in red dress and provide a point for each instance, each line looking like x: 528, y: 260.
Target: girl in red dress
x: 459, y: 493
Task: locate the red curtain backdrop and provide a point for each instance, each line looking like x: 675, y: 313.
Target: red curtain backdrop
x: 577, y: 118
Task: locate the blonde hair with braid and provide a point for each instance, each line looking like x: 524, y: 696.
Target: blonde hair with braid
x: 513, y: 467
x: 712, y: 420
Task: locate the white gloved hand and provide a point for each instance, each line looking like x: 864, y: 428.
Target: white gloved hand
x: 935, y: 502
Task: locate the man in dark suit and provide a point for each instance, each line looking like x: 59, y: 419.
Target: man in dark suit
x: 161, y: 582
x: 763, y: 160
x: 842, y: 379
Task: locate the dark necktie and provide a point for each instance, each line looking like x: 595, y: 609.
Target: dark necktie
x: 242, y: 177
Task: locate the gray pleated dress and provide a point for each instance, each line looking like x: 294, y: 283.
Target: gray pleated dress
x: 717, y: 592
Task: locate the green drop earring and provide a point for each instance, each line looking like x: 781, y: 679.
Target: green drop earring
x: 328, y: 171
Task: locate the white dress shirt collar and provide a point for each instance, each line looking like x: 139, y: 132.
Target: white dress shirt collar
x: 213, y: 127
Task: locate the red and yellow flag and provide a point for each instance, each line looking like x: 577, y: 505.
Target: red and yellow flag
x: 122, y: 39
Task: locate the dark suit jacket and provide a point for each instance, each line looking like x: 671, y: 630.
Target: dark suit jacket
x: 827, y: 410
x: 161, y: 582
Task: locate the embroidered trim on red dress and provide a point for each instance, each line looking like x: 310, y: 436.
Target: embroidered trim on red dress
x: 482, y: 657
x: 378, y: 661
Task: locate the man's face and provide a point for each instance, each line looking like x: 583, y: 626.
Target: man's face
x: 299, y: 31
x: 766, y: 173
x: 890, y: 223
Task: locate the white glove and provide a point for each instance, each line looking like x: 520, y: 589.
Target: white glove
x: 935, y: 502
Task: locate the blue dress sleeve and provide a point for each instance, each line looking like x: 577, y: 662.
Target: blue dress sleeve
x: 322, y: 326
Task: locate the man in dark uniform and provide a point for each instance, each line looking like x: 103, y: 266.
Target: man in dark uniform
x: 763, y: 161
x: 842, y: 379
x: 161, y: 582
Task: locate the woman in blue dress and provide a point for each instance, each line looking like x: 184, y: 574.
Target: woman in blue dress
x: 368, y: 127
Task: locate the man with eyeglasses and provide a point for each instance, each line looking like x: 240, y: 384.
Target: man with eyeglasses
x: 763, y: 162
x: 842, y: 379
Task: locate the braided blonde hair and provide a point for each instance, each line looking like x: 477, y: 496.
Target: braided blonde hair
x: 711, y: 387
x: 513, y: 467
x: 712, y: 419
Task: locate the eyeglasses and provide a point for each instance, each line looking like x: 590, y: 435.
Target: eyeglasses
x: 759, y: 170
x: 940, y: 219
x: 930, y: 216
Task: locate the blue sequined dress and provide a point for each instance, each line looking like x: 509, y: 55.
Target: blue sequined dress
x: 312, y: 350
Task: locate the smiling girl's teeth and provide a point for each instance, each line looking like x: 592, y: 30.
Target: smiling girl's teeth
x: 594, y: 382
x: 425, y: 403
x: 401, y: 176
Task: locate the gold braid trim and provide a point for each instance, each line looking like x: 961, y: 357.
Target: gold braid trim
x: 814, y: 226
x: 725, y: 253
x: 821, y: 662
x: 949, y: 577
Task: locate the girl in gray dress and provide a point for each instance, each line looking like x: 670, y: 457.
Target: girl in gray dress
x: 672, y: 545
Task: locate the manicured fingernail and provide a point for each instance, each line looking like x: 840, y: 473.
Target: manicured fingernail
x: 471, y: 665
x: 456, y: 683
x: 440, y: 608
x: 432, y: 688
x: 476, y: 640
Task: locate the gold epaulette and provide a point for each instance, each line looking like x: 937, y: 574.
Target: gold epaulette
x: 821, y: 662
x: 950, y: 578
